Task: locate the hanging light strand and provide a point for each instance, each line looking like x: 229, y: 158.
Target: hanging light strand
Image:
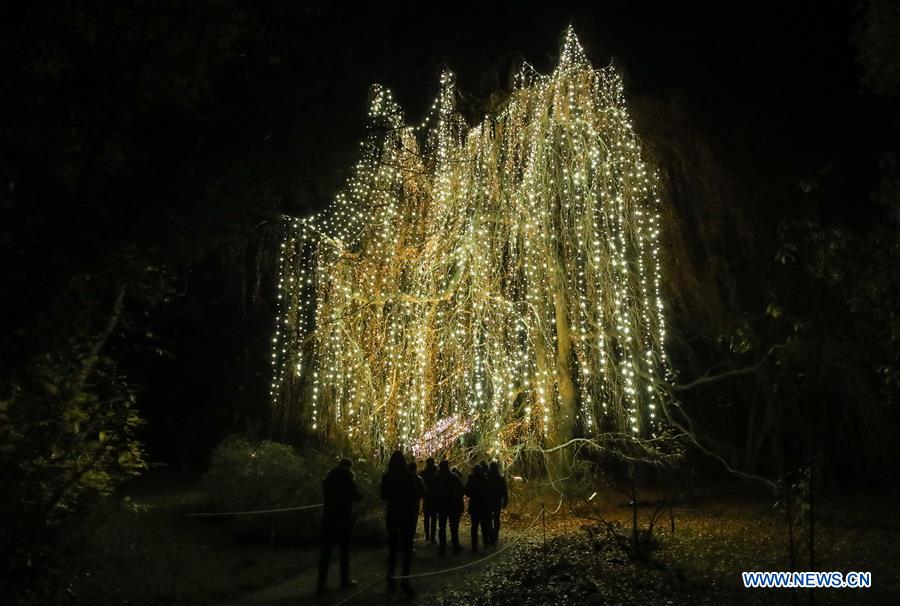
x: 503, y: 279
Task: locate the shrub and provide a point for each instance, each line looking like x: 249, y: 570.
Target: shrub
x: 246, y: 475
x: 68, y: 427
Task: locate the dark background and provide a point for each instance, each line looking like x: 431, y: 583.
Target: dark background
x: 156, y: 143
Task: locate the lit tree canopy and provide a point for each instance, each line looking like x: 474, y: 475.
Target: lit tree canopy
x: 496, y: 285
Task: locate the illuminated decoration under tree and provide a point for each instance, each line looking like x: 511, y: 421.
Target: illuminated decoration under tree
x: 500, y: 282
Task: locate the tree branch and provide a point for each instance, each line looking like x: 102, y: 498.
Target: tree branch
x: 111, y: 324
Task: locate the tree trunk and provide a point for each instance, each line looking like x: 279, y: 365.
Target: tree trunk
x: 565, y: 422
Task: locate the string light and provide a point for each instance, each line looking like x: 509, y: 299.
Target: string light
x: 500, y: 282
x: 440, y: 436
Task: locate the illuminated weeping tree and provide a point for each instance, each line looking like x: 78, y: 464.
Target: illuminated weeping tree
x: 495, y: 286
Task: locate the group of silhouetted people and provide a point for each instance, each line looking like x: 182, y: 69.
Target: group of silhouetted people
x: 441, y: 492
x: 487, y: 492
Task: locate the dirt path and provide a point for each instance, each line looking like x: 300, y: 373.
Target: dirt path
x: 368, y: 568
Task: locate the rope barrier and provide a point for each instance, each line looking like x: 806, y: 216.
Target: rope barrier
x: 361, y: 591
x: 253, y: 512
x: 474, y: 562
x: 384, y: 578
x: 448, y: 570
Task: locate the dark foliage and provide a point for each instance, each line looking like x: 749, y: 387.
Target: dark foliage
x: 574, y: 569
x: 246, y: 475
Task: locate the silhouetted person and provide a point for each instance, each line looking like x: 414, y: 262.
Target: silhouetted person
x: 479, y: 511
x: 448, y: 500
x: 498, y: 497
x: 340, y: 493
x: 401, y: 492
x: 431, y: 514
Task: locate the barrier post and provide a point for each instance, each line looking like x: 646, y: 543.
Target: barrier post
x: 544, y: 526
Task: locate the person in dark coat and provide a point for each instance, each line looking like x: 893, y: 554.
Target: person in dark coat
x: 340, y: 493
x: 448, y: 502
x: 401, y: 491
x: 498, y: 497
x: 479, y: 512
x: 431, y: 515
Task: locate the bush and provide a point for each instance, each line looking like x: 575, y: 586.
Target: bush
x: 246, y: 475
x: 66, y: 443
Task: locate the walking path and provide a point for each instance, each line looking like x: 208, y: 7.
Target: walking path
x: 368, y: 568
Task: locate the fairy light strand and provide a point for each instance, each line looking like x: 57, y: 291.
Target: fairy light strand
x: 503, y: 280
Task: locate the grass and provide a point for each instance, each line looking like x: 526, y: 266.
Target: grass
x: 144, y: 550
x: 715, y: 539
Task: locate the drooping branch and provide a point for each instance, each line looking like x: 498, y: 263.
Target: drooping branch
x: 506, y: 276
x: 707, y: 379
x: 727, y: 374
x: 692, y: 436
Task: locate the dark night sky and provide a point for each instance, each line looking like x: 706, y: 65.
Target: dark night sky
x: 776, y: 88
